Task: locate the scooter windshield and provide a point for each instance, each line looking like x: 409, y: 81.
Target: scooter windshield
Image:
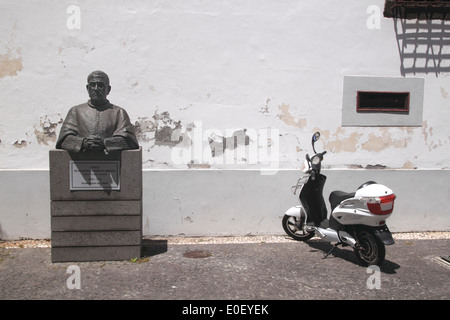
x: 312, y: 200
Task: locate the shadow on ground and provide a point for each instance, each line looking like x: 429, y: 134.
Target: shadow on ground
x: 347, y: 254
x: 153, y: 247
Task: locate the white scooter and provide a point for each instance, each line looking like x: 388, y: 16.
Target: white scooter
x: 358, y: 219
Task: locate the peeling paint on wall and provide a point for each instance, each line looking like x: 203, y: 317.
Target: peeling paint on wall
x: 376, y: 143
x: 386, y: 140
x: 163, y: 130
x: 193, y: 165
x: 165, y: 136
x: 339, y: 141
x: 20, y: 144
x: 189, y: 146
x: 427, y: 133
x: 143, y: 126
x: 265, y: 108
x: 426, y: 130
x: 11, y: 62
x: 219, y: 144
x: 408, y: 165
x: 380, y: 139
x: 45, y: 132
x: 9, y: 66
x: 376, y: 166
x: 288, y: 119
x: 169, y: 132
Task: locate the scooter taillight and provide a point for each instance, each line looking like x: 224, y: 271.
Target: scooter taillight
x: 385, y: 205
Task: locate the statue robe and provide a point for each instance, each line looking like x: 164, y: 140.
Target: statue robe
x: 108, y: 121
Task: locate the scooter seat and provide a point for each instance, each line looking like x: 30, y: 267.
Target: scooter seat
x: 336, y: 197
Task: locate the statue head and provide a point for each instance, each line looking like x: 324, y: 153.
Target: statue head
x: 98, y: 87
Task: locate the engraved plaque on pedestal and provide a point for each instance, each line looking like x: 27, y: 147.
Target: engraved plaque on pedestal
x: 94, y: 175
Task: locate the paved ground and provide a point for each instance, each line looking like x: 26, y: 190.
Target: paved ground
x: 276, y: 270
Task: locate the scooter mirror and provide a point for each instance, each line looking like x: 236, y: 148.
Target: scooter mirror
x: 315, y: 137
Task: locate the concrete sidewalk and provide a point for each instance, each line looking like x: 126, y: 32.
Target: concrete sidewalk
x: 258, y: 270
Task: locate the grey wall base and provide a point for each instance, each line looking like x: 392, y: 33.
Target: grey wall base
x: 96, y: 225
x: 197, y: 202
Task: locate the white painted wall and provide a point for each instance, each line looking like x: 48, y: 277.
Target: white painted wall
x: 275, y: 68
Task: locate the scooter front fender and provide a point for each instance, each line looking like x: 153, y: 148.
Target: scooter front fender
x: 294, y: 211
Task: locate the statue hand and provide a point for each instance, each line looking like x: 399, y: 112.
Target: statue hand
x: 93, y: 144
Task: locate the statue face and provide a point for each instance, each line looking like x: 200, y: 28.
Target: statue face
x: 98, y: 88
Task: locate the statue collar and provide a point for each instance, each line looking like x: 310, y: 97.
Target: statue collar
x: 102, y: 107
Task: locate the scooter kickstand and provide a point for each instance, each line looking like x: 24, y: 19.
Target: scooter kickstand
x: 329, y: 252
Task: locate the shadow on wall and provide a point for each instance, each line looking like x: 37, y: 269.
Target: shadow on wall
x: 423, y: 45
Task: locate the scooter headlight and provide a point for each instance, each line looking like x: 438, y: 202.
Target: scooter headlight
x: 315, y: 160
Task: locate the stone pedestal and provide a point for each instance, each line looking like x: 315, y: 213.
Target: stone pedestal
x: 102, y: 222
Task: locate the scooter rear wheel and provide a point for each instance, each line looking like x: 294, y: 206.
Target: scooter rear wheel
x: 369, y: 250
x: 293, y: 226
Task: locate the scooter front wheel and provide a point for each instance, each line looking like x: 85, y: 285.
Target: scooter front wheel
x: 293, y: 226
x: 369, y: 249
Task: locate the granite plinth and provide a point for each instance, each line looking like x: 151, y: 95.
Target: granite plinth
x: 96, y: 225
